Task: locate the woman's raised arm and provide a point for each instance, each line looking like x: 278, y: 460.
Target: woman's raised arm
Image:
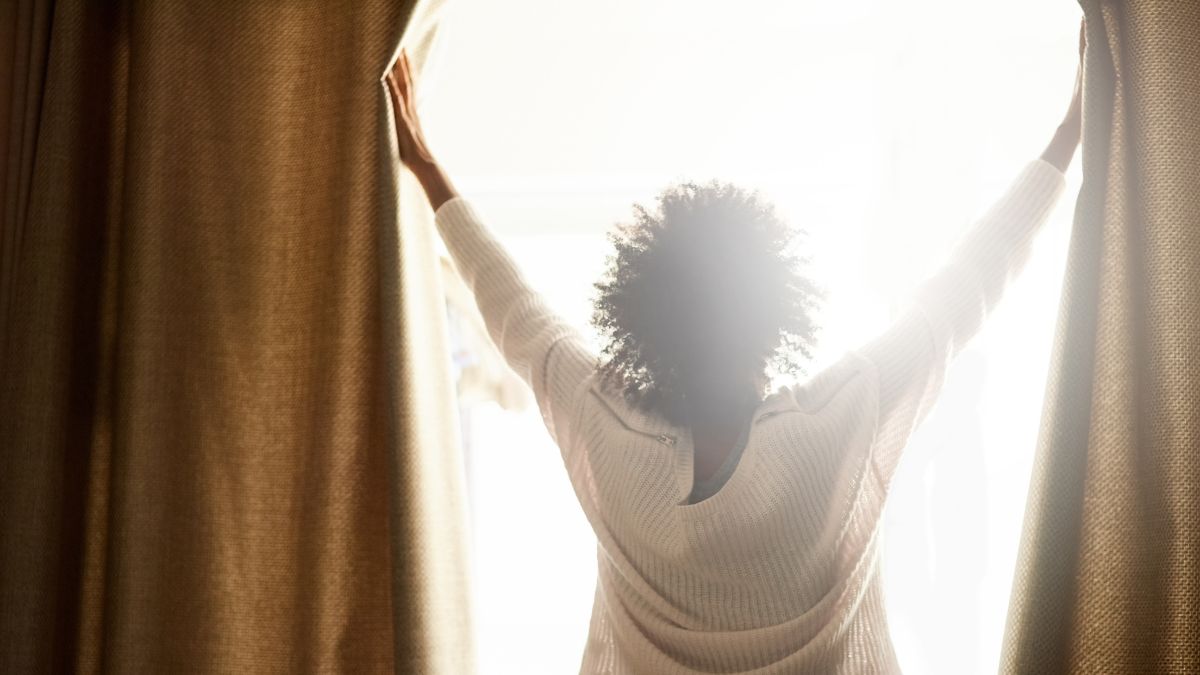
x: 546, y: 351
x: 911, y: 357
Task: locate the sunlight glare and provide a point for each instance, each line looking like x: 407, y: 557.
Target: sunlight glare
x: 881, y: 128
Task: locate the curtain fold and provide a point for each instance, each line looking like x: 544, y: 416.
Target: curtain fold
x: 227, y: 433
x: 1108, y: 576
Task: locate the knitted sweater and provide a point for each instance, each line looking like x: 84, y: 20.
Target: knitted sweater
x: 778, y: 571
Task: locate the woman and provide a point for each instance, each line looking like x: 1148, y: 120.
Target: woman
x: 737, y: 530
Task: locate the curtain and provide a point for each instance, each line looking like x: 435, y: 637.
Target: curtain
x: 227, y: 431
x: 1108, y: 576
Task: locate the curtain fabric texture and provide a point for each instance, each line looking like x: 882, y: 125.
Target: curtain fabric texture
x: 1108, y: 577
x: 227, y: 434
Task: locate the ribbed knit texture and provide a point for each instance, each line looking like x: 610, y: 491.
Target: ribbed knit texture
x: 778, y: 571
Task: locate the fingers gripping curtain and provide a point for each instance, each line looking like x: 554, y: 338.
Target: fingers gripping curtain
x: 227, y: 440
x: 1108, y: 577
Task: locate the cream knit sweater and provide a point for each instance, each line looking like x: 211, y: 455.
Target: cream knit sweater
x: 778, y: 571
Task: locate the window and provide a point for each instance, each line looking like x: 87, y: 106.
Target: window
x: 883, y: 129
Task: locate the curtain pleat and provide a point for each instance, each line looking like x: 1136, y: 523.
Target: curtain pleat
x: 1108, y: 575
x: 227, y: 433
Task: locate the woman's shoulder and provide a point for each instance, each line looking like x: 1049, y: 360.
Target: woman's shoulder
x: 846, y: 378
x: 604, y: 400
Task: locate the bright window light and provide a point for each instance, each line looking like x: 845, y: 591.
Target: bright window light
x: 882, y: 128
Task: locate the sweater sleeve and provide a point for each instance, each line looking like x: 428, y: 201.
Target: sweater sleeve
x: 543, y: 349
x: 911, y: 357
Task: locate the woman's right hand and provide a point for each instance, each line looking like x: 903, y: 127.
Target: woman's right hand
x: 1074, y: 113
x: 1062, y: 146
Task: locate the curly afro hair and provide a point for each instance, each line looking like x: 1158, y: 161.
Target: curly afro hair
x: 702, y: 297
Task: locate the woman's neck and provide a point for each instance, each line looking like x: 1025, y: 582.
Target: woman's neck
x: 714, y: 437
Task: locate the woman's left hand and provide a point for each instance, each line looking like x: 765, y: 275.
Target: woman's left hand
x: 414, y: 151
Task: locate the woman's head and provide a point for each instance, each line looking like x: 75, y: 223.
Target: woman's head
x: 702, y: 298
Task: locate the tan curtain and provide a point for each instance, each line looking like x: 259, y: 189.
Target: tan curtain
x: 1108, y: 579
x: 227, y: 435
